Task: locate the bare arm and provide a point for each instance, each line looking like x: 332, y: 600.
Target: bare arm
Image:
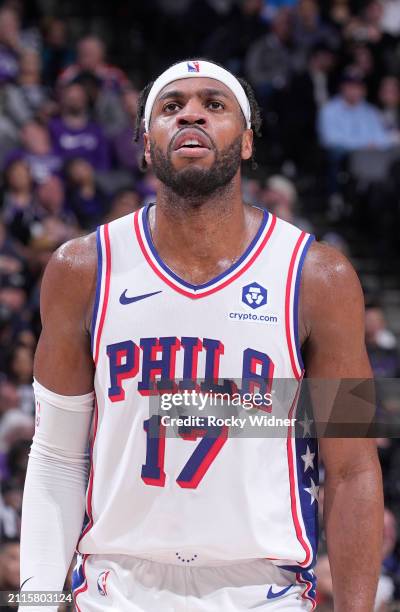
x: 332, y: 316
x: 63, y: 362
x: 55, y: 485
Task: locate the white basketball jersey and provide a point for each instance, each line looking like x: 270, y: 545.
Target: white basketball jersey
x: 202, y: 496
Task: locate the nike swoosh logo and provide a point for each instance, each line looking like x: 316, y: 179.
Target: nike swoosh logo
x: 124, y: 300
x: 272, y: 595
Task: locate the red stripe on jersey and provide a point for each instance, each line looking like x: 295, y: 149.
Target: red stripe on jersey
x: 304, y: 594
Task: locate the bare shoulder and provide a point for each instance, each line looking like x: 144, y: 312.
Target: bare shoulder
x: 330, y: 287
x: 69, y: 280
x: 326, y: 265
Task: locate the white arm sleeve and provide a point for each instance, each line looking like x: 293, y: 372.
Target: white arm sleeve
x: 54, y: 494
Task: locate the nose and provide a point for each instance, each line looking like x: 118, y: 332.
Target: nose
x: 193, y: 113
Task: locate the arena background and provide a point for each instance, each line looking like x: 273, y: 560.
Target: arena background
x: 326, y: 75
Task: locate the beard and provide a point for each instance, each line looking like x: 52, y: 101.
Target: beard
x: 192, y: 182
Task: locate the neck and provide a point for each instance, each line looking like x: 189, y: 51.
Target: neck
x: 75, y: 121
x: 28, y: 79
x: 21, y: 191
x: 200, y: 238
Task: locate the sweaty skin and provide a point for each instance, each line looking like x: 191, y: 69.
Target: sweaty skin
x: 198, y: 241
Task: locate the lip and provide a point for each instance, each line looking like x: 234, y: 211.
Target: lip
x: 191, y: 133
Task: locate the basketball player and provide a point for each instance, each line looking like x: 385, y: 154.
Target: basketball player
x: 197, y: 287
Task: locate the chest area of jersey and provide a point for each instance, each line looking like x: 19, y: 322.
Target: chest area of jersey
x: 161, y: 341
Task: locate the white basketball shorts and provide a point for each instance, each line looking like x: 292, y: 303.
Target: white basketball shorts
x: 123, y: 583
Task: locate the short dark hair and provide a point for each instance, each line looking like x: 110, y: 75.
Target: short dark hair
x: 255, y: 113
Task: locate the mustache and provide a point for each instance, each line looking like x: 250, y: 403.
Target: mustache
x: 197, y: 129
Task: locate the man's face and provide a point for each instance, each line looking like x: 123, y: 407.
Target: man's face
x: 74, y: 100
x: 353, y: 92
x: 90, y: 53
x: 197, y: 137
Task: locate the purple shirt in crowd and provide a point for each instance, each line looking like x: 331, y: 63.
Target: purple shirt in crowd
x: 88, y: 142
x: 9, y: 66
x: 41, y: 166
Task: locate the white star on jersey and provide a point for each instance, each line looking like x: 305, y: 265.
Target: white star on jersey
x: 308, y: 459
x: 306, y: 425
x: 313, y: 491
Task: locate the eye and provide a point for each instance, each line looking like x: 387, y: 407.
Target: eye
x: 170, y: 107
x: 215, y: 105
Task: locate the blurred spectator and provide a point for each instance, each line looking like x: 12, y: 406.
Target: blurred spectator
x: 363, y: 61
x: 252, y: 190
x: 37, y: 151
x: 389, y: 102
x: 57, y: 53
x: 147, y: 188
x: 381, y: 344
x: 17, y: 460
x: 104, y: 104
x: 390, y: 20
x: 366, y: 27
x: 20, y: 372
x: 74, y: 134
x: 308, y: 92
x: 10, y: 44
x: 125, y: 202
x: 339, y: 12
x: 15, y: 426
x: 18, y: 200
x: 271, y: 7
x: 14, y: 283
x: 9, y: 567
x: 54, y: 224
x: 84, y: 198
x: 27, y: 95
x: 309, y: 30
x: 91, y: 58
x: 126, y: 152
x: 280, y: 198
x: 10, y: 519
x: 268, y: 62
x: 229, y: 43
x: 348, y: 122
x: 8, y: 395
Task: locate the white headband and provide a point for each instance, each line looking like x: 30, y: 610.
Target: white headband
x: 185, y: 70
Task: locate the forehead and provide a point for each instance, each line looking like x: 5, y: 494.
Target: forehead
x: 195, y: 86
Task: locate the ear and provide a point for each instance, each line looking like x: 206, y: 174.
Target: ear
x: 247, y: 144
x: 146, y: 141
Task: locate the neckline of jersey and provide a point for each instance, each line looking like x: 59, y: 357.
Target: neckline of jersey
x: 245, y: 255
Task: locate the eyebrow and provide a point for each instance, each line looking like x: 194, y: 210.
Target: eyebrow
x: 207, y: 92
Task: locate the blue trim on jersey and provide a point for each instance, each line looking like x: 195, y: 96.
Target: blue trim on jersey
x: 98, y: 287
x: 78, y: 576
x: 217, y: 278
x: 309, y: 511
x: 296, y: 300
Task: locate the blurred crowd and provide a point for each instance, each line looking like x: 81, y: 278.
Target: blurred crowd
x: 326, y: 75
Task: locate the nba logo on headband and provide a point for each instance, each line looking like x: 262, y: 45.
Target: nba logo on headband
x: 193, y: 66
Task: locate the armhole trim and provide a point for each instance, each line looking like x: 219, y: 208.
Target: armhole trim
x: 102, y: 288
x: 292, y: 302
